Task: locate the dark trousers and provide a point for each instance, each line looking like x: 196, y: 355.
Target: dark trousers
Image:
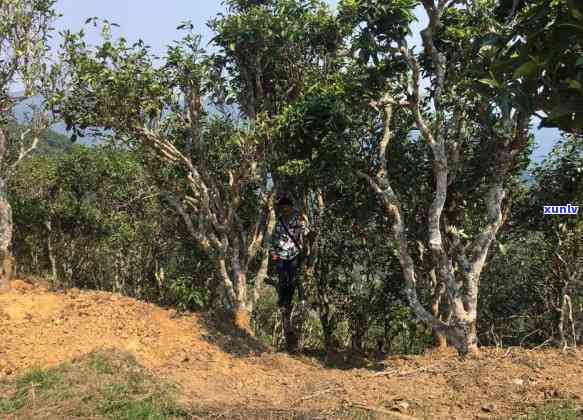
x: 287, y: 270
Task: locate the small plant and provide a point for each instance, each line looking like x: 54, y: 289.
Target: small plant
x: 185, y: 296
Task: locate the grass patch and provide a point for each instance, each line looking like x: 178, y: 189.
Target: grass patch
x: 138, y: 398
x: 34, y: 388
x: 107, y: 384
x: 239, y: 413
x: 565, y: 410
x: 360, y: 414
x: 100, y: 363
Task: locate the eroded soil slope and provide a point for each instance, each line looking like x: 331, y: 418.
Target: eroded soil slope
x: 225, y: 373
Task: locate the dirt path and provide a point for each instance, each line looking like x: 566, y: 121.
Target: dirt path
x: 39, y: 328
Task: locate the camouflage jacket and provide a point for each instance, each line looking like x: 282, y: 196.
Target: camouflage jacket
x: 282, y: 244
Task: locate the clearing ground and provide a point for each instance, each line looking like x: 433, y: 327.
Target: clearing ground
x: 221, y: 375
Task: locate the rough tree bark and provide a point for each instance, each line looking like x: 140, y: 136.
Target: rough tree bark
x: 323, y: 305
x: 359, y: 329
x: 263, y: 271
x: 5, y: 224
x: 437, y: 297
x: 568, y: 270
x: 51, y: 253
x: 6, y: 229
x: 306, y: 269
x: 211, y: 210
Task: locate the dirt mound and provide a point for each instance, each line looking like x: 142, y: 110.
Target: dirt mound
x: 216, y: 371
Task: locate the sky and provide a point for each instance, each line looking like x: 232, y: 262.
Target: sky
x: 155, y: 22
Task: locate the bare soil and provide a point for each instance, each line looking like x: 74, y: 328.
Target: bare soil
x: 222, y: 371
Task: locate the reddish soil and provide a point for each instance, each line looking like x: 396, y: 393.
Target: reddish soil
x: 216, y: 370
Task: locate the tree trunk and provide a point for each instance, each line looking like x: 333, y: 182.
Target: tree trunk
x: 387, y: 338
x: 242, y: 320
x: 51, y: 253
x: 215, y: 287
x: 462, y: 335
x: 359, y: 330
x: 6, y: 228
x: 236, y: 293
x: 263, y: 271
x: 356, y: 342
x: 472, y: 343
x: 328, y: 337
x: 260, y: 277
x: 325, y: 313
x: 34, y: 258
x: 566, y: 313
x: 276, y: 332
x: 328, y: 325
x: 439, y: 338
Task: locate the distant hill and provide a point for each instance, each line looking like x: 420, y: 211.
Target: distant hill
x: 22, y: 113
x: 50, y: 142
x: 53, y: 141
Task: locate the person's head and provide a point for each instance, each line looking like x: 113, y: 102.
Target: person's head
x: 285, y: 206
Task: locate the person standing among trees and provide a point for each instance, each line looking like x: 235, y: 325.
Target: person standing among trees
x: 286, y: 252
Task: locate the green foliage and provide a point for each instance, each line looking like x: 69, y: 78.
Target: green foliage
x: 101, y: 363
x: 25, y: 30
x: 278, y: 44
x: 25, y: 27
x: 121, y: 77
x: 310, y: 138
x: 53, y: 142
x: 265, y: 316
x: 120, y: 401
x: 555, y: 74
x: 512, y: 308
x: 386, y: 22
x: 185, y: 295
x: 560, y: 176
x: 522, y: 289
x: 107, y: 227
x: 50, y: 142
x: 103, y: 94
